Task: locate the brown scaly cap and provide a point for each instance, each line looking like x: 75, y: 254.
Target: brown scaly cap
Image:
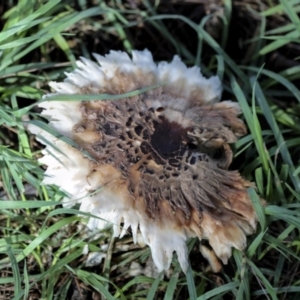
x: 161, y: 157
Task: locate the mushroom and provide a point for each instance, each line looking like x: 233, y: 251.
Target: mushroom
x: 161, y: 157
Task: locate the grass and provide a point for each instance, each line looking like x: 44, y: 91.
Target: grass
x: 42, y: 244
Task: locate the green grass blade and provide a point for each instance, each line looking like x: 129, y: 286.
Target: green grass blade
x: 278, y: 136
x: 15, y: 271
x: 191, y: 284
x: 220, y: 290
x: 154, y: 288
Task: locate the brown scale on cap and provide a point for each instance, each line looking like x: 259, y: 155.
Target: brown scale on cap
x: 175, y: 171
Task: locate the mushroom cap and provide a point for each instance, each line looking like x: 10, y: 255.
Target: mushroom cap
x: 160, y: 157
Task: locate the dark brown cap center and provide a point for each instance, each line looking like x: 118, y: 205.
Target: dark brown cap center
x: 167, y: 137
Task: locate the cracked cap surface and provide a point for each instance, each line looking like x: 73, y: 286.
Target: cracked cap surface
x: 161, y: 157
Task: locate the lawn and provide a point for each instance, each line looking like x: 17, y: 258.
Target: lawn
x: 253, y: 46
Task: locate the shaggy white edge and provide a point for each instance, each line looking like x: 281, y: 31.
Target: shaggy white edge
x: 68, y: 169
x: 182, y: 80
